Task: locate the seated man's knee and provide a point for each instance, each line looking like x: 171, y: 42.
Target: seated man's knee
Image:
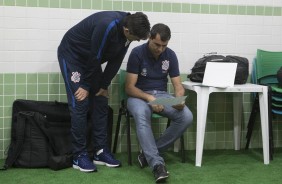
x: 187, y: 117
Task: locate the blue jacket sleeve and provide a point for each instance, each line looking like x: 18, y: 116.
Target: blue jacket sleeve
x: 100, y: 36
x: 111, y: 70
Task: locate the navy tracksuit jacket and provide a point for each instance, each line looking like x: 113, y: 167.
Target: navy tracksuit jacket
x: 95, y: 40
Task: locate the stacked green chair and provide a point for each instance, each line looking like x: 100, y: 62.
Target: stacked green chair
x: 276, y: 99
x: 123, y: 111
x: 265, y: 67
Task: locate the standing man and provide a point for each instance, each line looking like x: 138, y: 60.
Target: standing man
x: 148, y: 68
x: 101, y: 37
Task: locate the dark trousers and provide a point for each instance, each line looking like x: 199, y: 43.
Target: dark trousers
x: 94, y: 106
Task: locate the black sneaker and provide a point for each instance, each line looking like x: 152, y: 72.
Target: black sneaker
x: 160, y: 173
x: 142, y: 160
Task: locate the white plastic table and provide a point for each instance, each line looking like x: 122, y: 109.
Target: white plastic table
x: 203, y: 93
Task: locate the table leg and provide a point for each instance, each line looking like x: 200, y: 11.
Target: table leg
x: 202, y: 108
x: 237, y: 118
x: 263, y: 105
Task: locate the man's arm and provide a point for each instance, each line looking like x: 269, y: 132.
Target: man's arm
x: 178, y: 87
x: 178, y: 91
x: 99, y: 43
x: 133, y: 91
x: 111, y: 70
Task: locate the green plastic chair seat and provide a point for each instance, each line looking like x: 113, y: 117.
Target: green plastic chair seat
x: 267, y: 63
x: 276, y: 105
x: 276, y: 111
x: 276, y: 88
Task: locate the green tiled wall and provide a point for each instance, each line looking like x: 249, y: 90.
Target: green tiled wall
x: 50, y: 87
x: 149, y: 6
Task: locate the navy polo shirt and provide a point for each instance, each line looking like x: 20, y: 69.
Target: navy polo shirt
x: 152, y: 73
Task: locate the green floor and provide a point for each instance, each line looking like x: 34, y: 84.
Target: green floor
x: 218, y: 167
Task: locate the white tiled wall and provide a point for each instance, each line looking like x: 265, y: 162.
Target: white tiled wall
x: 227, y: 2
x: 29, y: 36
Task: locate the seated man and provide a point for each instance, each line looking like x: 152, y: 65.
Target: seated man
x: 148, y: 68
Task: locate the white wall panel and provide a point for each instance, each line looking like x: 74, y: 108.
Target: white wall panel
x: 30, y: 36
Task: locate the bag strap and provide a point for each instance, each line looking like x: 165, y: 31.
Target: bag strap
x: 14, y: 152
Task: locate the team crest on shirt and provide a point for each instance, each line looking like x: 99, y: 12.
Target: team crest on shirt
x: 165, y: 66
x: 144, y: 72
x: 75, y: 77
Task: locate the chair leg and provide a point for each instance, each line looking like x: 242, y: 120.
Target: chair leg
x: 182, y: 148
x: 117, y: 131
x: 168, y: 123
x: 252, y: 120
x: 251, y: 123
x: 110, y: 127
x: 128, y: 139
x: 271, y: 144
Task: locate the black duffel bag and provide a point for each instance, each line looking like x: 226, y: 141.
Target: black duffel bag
x: 40, y: 132
x: 41, y: 137
x: 242, y: 72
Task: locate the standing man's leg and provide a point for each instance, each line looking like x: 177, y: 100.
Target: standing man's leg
x: 78, y: 113
x: 99, y: 118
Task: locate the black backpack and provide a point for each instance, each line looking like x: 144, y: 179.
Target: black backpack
x: 242, y: 72
x: 41, y: 135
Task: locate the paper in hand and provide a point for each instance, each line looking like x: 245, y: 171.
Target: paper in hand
x: 169, y: 101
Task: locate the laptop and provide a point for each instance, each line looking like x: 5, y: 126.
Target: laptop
x: 219, y: 74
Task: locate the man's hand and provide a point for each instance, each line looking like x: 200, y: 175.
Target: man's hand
x: 102, y: 92
x: 81, y: 94
x: 157, y: 108
x: 179, y: 106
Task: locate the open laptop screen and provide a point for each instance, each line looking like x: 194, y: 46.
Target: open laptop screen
x: 219, y: 74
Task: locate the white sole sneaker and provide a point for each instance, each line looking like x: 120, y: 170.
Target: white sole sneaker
x: 83, y: 170
x: 104, y: 163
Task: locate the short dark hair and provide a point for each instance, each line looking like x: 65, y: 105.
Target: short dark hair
x: 161, y: 29
x: 138, y: 25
